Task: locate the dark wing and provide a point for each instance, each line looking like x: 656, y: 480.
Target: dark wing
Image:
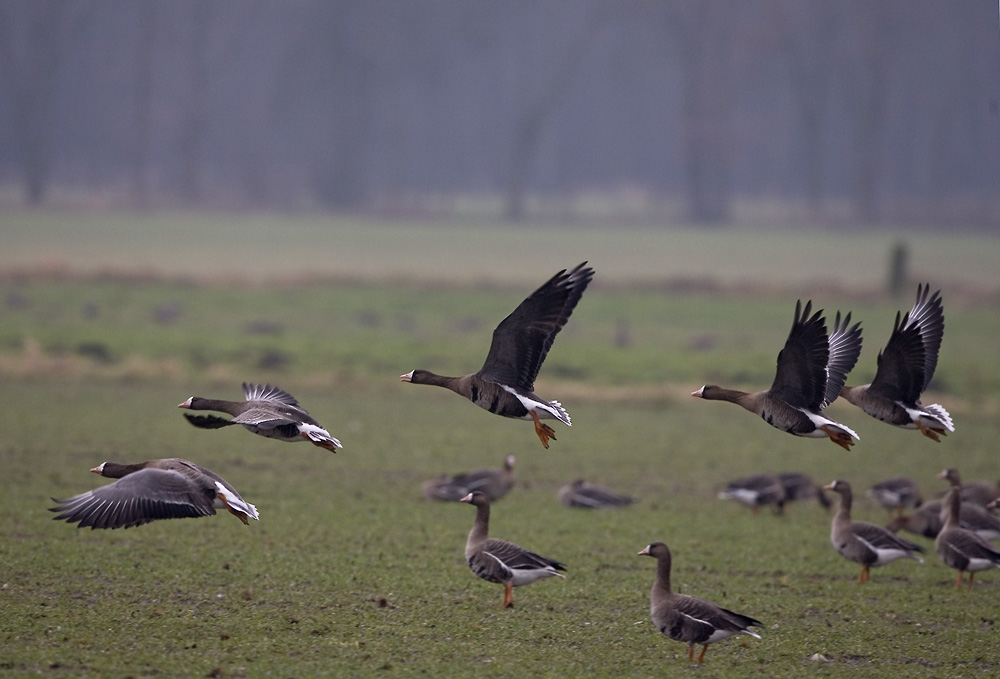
x: 969, y: 545
x: 880, y: 538
x: 909, y: 359
x: 143, y: 496
x: 597, y: 497
x: 265, y: 392
x: 265, y: 418
x: 845, y: 347
x: 208, y: 421
x: 514, y: 557
x: 523, y: 339
x: 800, y: 380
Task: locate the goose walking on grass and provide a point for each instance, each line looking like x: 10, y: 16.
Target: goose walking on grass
x: 169, y: 488
x: 960, y: 548
x: 505, y: 384
x: 266, y: 411
x: 863, y: 542
x: 905, y: 368
x: 756, y: 491
x: 494, y: 483
x: 811, y: 370
x: 690, y: 619
x: 499, y: 561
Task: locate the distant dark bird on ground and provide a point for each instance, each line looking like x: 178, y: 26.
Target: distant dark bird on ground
x: 812, y: 367
x: 799, y: 486
x: 756, y: 491
x: 896, y: 494
x: 500, y: 561
x: 586, y: 495
x: 267, y: 411
x: 863, y: 542
x: 960, y: 548
x: 170, y: 488
x: 690, y: 619
x: 506, y: 382
x: 493, y: 483
x: 905, y: 368
x: 926, y: 521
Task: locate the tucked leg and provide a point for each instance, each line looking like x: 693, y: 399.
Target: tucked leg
x: 842, y: 439
x: 958, y: 583
x: 926, y: 431
x: 544, y: 431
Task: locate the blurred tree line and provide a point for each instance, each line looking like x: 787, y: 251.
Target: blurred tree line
x: 856, y: 111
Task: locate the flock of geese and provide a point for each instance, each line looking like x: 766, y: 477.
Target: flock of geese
x: 812, y: 368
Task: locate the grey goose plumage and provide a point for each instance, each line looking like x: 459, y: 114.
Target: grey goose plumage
x: 905, y: 368
x: 266, y: 411
x: 756, y: 491
x: 863, y: 542
x: 505, y: 384
x: 494, y: 483
x: 896, y: 494
x: 687, y: 618
x: 811, y: 369
x: 168, y: 488
x: 500, y: 561
x: 961, y: 548
x: 582, y: 494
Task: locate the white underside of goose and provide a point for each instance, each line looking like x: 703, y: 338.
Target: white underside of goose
x: 884, y: 555
x: 318, y: 434
x: 226, y: 499
x: 932, y: 416
x: 546, y: 410
x: 524, y: 576
x: 976, y: 565
x: 823, y: 423
x: 741, y: 495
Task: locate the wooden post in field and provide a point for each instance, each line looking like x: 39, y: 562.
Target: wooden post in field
x: 898, y: 260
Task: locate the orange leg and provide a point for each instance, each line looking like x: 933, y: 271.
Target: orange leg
x: 544, y: 431
x: 508, y: 595
x: 701, y: 656
x: 958, y: 583
x: 865, y: 575
x: 929, y: 433
x: 840, y: 438
x: 238, y: 514
x: 691, y: 652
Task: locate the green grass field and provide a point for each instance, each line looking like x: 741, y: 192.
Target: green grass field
x: 350, y: 572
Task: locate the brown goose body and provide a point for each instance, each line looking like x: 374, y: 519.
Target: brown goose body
x: 266, y: 411
x: 584, y: 495
x: 494, y: 483
x: 905, y: 368
x: 169, y: 488
x: 811, y: 369
x: 506, y: 382
x: 500, y: 561
x: 863, y: 542
x: 690, y: 619
x: 961, y: 548
x: 925, y: 521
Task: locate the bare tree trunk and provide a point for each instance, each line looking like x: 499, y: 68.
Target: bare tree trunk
x: 531, y: 121
x: 34, y: 40
x: 142, y: 107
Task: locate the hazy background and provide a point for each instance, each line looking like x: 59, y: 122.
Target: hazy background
x: 829, y: 113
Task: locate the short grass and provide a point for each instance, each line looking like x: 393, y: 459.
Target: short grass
x: 350, y: 572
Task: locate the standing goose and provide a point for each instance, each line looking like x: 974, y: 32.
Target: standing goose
x: 905, y: 368
x: 506, y: 382
x: 267, y: 411
x: 863, y: 542
x: 896, y: 494
x: 500, y: 561
x: 811, y: 370
x: 494, y: 483
x: 586, y: 495
x: 688, y: 618
x: 756, y: 491
x: 958, y: 547
x: 170, y: 488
